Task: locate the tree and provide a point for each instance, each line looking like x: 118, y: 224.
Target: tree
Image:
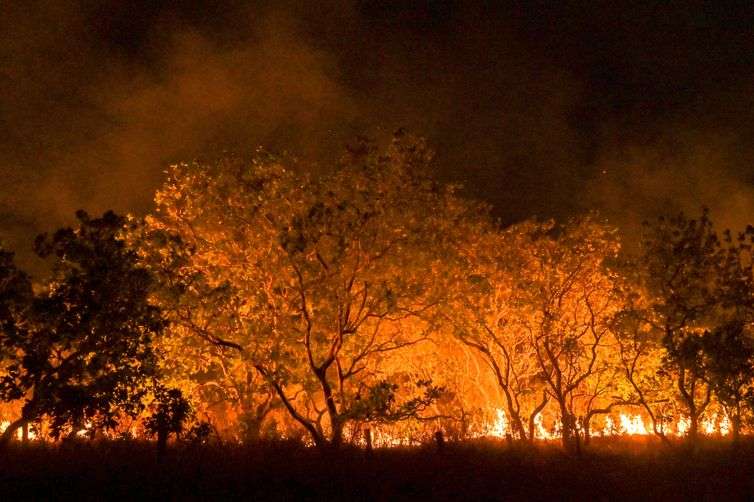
x: 171, y: 412
x: 329, y: 275
x: 86, y: 355
x: 485, y: 311
x: 202, y: 317
x: 700, y: 292
x: 15, y: 303
x: 678, y: 265
x: 728, y: 345
x: 729, y: 365
x: 567, y: 303
x: 640, y: 353
x: 15, y: 300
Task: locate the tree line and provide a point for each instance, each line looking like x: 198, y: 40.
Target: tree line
x: 258, y: 301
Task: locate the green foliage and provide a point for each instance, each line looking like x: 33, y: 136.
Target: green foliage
x: 86, y: 355
x: 699, y: 291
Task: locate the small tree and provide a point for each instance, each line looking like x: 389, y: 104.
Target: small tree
x: 640, y: 353
x: 679, y: 274
x: 728, y: 345
x: 567, y: 303
x: 86, y: 355
x: 170, y: 414
x: 729, y: 364
x: 485, y: 311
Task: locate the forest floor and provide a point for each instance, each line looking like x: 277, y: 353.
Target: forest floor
x: 479, y: 470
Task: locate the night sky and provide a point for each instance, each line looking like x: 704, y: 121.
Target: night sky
x: 541, y: 108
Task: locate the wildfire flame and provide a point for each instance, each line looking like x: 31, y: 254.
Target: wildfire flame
x: 627, y: 425
x: 31, y: 435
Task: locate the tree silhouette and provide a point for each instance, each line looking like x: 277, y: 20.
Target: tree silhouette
x: 86, y: 357
x: 15, y: 304
x: 700, y: 297
x: 170, y: 415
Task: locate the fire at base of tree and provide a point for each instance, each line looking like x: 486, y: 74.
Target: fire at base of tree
x: 372, y: 306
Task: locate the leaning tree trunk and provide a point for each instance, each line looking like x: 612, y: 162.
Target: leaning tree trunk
x: 10, y: 431
x: 533, y: 416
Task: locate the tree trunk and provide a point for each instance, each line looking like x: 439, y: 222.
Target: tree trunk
x: 736, y: 428
x: 693, y: 433
x: 534, y: 414
x: 368, y: 439
x: 11, y: 431
x: 162, y: 442
x: 587, y: 429
x: 336, y: 436
x: 568, y: 429
x: 440, y: 441
x: 518, y: 425
x: 253, y: 431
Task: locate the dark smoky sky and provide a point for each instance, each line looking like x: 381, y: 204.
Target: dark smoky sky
x: 541, y: 108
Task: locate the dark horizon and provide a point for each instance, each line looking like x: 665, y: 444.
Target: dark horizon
x: 539, y: 109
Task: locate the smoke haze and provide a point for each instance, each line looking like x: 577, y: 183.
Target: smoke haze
x: 539, y: 109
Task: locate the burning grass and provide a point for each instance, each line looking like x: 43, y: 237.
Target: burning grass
x: 483, y: 469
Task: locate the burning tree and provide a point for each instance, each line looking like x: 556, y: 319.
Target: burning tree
x: 484, y: 315
x: 567, y: 301
x: 328, y: 276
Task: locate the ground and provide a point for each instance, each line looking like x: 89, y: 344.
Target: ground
x: 483, y: 470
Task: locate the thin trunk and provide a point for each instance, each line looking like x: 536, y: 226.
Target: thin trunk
x: 336, y: 437
x: 586, y: 426
x: 440, y: 441
x: 162, y: 442
x: 318, y: 439
x: 736, y: 428
x: 534, y: 414
x: 336, y: 423
x: 368, y: 439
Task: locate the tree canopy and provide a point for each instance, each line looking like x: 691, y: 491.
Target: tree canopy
x: 372, y: 302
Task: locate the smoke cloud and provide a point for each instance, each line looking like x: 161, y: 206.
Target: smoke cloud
x: 537, y: 111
